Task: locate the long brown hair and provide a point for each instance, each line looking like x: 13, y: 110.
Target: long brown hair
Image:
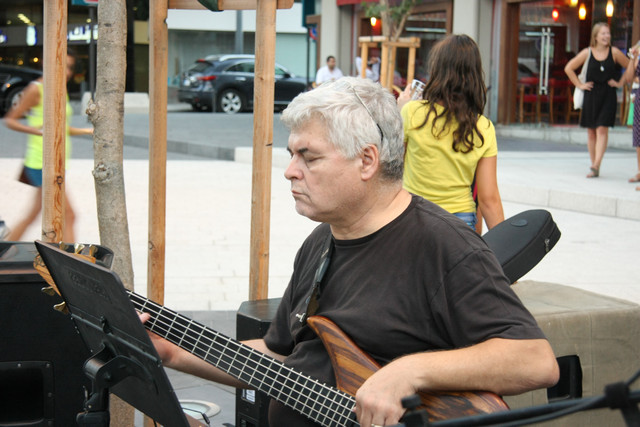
x: 456, y: 82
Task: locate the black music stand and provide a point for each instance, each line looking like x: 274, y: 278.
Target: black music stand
x: 124, y: 361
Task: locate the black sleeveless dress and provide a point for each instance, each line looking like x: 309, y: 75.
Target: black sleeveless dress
x: 600, y: 103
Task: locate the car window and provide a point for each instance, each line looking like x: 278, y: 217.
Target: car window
x: 280, y: 71
x: 199, y: 67
x: 242, y: 67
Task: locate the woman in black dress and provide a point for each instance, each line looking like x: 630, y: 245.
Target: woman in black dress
x: 600, y: 99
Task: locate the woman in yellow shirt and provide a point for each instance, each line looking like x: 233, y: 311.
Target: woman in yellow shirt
x: 31, y: 105
x: 448, y: 141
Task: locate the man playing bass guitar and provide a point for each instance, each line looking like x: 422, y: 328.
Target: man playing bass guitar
x: 413, y: 286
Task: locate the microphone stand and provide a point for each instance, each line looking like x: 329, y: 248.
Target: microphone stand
x: 616, y: 396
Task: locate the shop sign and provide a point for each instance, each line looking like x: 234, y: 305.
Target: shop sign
x: 82, y: 33
x: 19, y: 36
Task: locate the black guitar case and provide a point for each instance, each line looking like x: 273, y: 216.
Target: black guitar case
x: 520, y: 242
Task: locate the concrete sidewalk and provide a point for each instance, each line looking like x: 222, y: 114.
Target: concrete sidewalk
x: 208, y: 222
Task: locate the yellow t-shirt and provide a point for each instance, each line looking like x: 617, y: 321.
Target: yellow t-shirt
x: 432, y: 169
x: 35, y: 118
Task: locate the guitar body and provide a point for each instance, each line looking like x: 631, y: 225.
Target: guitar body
x: 352, y: 367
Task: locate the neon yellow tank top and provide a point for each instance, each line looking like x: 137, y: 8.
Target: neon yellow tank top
x: 33, y: 156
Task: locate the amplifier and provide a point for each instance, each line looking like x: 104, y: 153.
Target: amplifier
x: 252, y: 321
x: 42, y: 380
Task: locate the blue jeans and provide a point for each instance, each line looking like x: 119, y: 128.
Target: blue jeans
x: 469, y: 217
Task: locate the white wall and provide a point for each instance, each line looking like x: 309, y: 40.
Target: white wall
x: 287, y: 20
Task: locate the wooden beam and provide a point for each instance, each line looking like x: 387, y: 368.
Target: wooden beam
x: 158, y: 60
x: 364, y: 59
x: 262, y: 145
x: 401, y: 42
x: 54, y: 130
x: 227, y: 4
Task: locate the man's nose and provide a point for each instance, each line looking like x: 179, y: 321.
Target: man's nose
x: 292, y: 171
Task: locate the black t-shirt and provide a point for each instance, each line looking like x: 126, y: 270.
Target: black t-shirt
x: 425, y: 281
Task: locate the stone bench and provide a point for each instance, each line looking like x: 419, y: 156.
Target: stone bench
x: 604, y: 334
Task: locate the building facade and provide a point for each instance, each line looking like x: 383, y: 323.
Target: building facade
x: 517, y: 38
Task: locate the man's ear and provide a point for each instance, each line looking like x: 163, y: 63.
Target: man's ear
x: 370, y: 162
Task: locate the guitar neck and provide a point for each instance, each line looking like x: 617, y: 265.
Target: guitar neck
x: 323, y: 404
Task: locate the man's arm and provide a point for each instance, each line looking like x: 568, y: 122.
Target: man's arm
x: 502, y: 366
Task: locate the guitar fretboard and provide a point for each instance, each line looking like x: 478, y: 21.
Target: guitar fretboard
x: 321, y: 403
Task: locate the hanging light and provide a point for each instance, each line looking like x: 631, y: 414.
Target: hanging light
x: 374, y: 21
x: 573, y: 3
x: 555, y: 14
x: 582, y: 12
x: 609, y: 9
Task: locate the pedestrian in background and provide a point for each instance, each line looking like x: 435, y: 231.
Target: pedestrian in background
x: 600, y: 98
x: 447, y: 139
x: 31, y: 105
x: 328, y: 73
x: 372, y: 71
x: 631, y: 73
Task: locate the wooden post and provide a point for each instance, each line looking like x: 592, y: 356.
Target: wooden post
x: 54, y: 131
x: 158, y: 59
x: 262, y: 144
x: 392, y: 67
x: 364, y: 58
x: 411, y: 66
x: 384, y: 67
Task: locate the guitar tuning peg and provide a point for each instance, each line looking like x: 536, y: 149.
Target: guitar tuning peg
x: 62, y: 308
x: 49, y: 291
x: 93, y: 250
x: 78, y: 247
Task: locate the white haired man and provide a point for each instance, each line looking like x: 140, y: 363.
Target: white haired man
x: 412, y: 285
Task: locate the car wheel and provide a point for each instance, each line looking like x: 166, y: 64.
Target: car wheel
x: 230, y: 101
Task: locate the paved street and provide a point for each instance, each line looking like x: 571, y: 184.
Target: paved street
x: 208, y: 214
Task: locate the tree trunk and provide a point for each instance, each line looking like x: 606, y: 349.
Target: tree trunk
x: 106, y: 113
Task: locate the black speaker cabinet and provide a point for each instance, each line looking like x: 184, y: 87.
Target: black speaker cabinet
x: 42, y: 380
x: 252, y: 321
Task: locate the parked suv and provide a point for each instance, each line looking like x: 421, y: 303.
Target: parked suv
x: 225, y: 83
x: 12, y: 80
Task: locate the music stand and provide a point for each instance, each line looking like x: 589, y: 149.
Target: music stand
x: 124, y: 361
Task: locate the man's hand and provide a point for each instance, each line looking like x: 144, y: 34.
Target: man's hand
x: 378, y: 400
x: 167, y: 351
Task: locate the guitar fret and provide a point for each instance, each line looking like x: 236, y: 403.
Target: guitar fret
x: 319, y: 402
x: 198, y: 340
x: 183, y: 336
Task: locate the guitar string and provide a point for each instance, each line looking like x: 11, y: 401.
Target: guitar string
x: 345, y: 402
x: 240, y: 375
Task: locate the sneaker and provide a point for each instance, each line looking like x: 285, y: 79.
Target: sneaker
x: 4, y: 230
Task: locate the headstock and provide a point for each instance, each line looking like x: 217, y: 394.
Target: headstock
x: 91, y: 253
